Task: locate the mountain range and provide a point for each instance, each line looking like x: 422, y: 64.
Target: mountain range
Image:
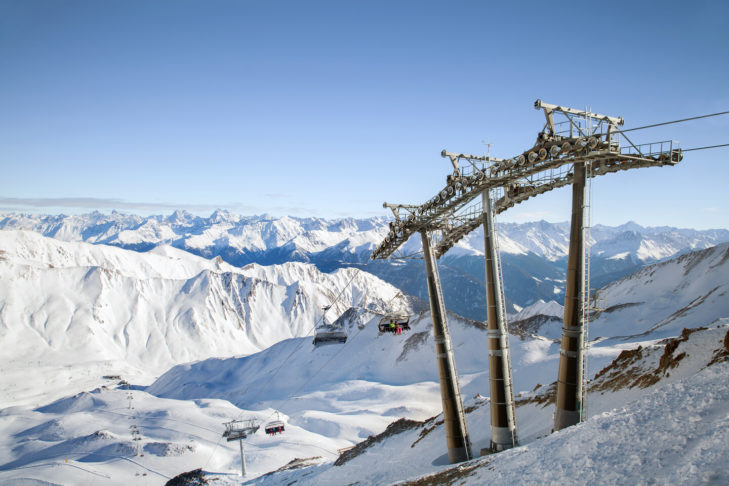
x: 119, y: 364
x: 533, y: 254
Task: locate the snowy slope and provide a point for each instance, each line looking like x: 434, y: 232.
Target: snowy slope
x: 70, y: 303
x: 662, y: 299
x: 332, y: 397
x: 633, y: 435
x: 324, y: 377
x: 89, y: 437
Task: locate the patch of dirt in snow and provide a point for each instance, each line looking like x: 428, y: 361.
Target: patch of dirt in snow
x: 691, y: 260
x: 723, y: 260
x: 635, y: 368
x: 721, y: 355
x: 428, y: 426
x: 529, y: 327
x: 542, y: 395
x: 296, y: 463
x: 394, y: 428
x: 640, y: 367
x: 448, y: 476
x: 431, y: 424
x: 190, y: 478
x: 614, y: 308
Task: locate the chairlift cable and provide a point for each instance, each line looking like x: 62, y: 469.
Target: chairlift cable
x: 704, y: 148
x: 675, y: 121
x: 217, y: 444
x: 301, y: 343
x: 398, y: 293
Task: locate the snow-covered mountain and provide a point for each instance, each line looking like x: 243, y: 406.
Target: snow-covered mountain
x: 246, y: 239
x: 75, y: 314
x: 656, y: 303
x: 533, y: 254
x: 239, y: 240
x: 149, y: 311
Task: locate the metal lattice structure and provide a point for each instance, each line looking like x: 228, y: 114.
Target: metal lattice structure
x: 573, y: 146
x: 581, y: 137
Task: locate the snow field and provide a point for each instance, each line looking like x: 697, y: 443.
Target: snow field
x: 59, y: 344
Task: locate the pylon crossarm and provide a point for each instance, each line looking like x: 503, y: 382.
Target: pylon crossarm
x: 460, y: 191
x: 596, y: 142
x: 602, y: 164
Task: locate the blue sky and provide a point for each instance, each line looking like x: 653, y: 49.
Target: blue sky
x: 314, y: 108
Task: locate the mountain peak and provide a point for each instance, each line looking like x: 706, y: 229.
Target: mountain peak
x: 222, y: 216
x: 179, y: 215
x: 631, y: 226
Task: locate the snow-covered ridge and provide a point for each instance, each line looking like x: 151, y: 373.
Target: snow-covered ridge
x: 540, y: 307
x: 183, y: 230
x: 32, y: 249
x: 663, y: 298
x: 68, y: 324
x: 62, y: 303
x: 264, y: 239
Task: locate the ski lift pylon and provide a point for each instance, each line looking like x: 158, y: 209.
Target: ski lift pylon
x: 240, y: 429
x: 394, y: 323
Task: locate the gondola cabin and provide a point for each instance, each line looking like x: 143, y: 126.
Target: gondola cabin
x: 395, y: 324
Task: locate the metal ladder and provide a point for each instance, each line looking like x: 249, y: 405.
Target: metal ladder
x: 502, y: 311
x: 586, y: 307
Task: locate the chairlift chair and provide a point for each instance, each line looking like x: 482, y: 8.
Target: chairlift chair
x: 276, y: 426
x: 393, y: 322
x: 329, y: 335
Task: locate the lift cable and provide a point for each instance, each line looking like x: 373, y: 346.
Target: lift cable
x: 349, y: 341
x: 675, y: 121
x: 287, y: 399
x: 301, y: 343
x: 296, y: 349
x: 704, y: 148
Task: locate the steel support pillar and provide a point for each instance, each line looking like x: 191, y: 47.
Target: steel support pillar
x: 242, y: 459
x: 503, y: 420
x: 459, y: 445
x: 568, y: 410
